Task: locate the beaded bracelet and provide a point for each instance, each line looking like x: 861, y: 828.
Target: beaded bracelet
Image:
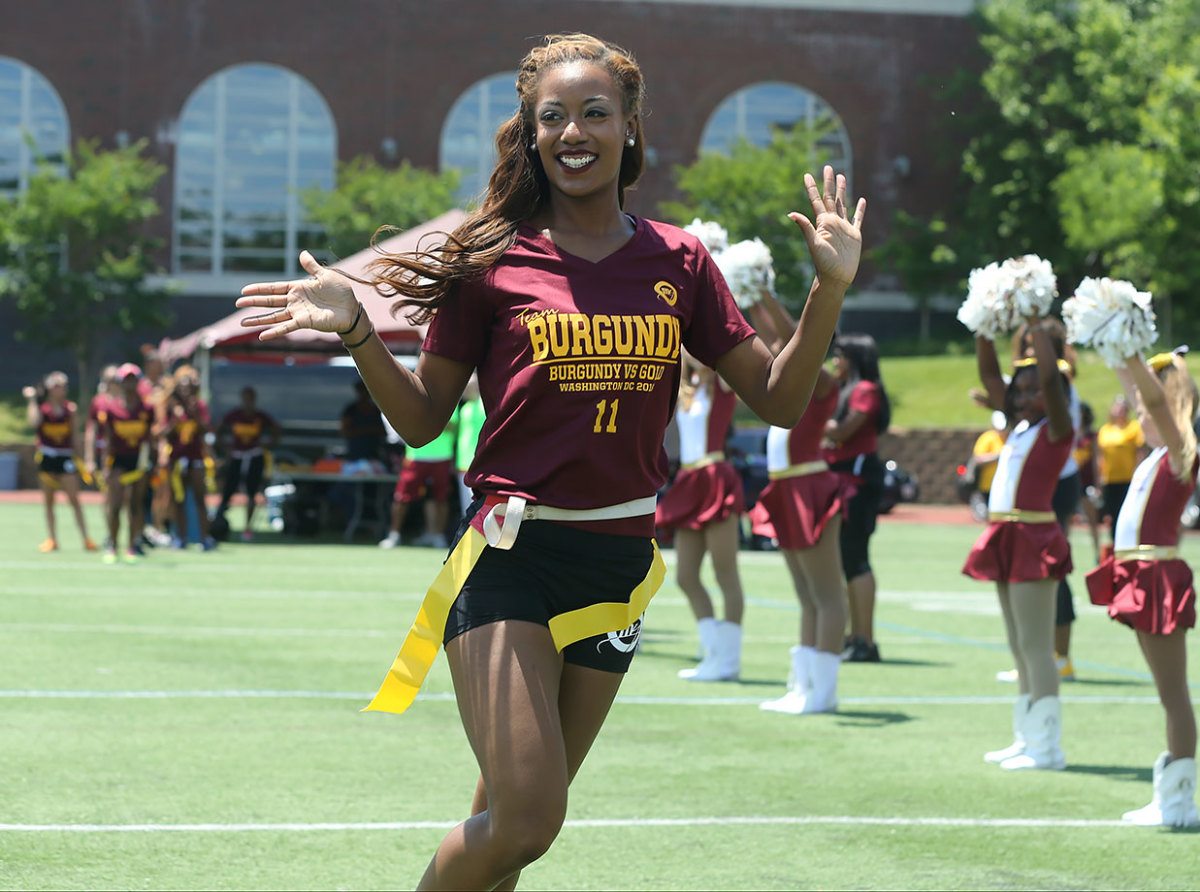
x: 363, y: 341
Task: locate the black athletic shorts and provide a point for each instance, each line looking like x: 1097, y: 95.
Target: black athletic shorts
x: 554, y: 569
x: 55, y: 464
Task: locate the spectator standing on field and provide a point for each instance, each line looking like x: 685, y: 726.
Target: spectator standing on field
x: 1120, y: 440
x: 246, y: 434
x: 52, y: 416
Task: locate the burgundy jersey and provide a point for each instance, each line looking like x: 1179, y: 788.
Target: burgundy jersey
x: 125, y: 427
x: 1027, y: 471
x: 803, y: 442
x: 867, y: 399
x: 95, y: 410
x: 579, y: 362
x: 55, y: 430
x: 704, y: 425
x: 185, y: 435
x: 246, y: 429
x: 1150, y: 514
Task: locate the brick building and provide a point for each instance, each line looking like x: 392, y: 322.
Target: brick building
x: 242, y: 100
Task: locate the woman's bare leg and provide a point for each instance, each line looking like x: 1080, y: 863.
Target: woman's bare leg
x: 70, y: 485
x: 509, y: 679
x: 1033, y: 615
x: 689, y: 553
x: 721, y: 539
x: 583, y: 704
x: 821, y: 566
x: 1010, y: 633
x: 1167, y: 657
x: 48, y: 503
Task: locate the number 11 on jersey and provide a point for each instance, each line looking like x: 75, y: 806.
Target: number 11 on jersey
x: 611, y: 427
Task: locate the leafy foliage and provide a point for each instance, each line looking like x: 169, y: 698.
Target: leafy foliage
x: 749, y: 192
x: 1083, y: 148
x: 368, y: 195
x: 74, y: 253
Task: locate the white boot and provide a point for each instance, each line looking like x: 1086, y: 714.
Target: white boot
x: 729, y: 665
x: 799, y: 683
x: 1018, y: 745
x: 1042, y: 728
x: 709, y: 646
x: 1174, y: 800
x: 824, y: 667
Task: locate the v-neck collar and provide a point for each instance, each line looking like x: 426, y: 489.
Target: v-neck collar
x: 550, y: 246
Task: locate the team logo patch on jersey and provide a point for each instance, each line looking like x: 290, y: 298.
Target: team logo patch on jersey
x: 666, y: 291
x: 625, y: 641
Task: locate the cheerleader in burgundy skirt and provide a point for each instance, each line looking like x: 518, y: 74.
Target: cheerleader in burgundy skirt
x: 803, y: 506
x: 1145, y: 584
x: 702, y: 508
x: 1023, y: 550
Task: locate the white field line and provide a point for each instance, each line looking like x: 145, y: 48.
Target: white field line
x: 845, y: 820
x: 185, y: 631
x: 158, y: 592
x: 630, y: 700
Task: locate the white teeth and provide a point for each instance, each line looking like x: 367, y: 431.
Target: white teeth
x: 576, y: 162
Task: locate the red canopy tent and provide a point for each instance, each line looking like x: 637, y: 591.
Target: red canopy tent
x: 228, y: 338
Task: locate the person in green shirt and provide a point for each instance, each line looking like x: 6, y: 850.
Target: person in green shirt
x: 470, y: 422
x: 426, y: 474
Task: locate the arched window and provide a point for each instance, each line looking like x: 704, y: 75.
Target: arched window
x: 469, y: 135
x: 250, y: 137
x: 30, y: 111
x: 753, y: 112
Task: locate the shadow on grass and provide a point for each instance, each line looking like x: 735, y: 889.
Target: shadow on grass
x: 1066, y: 686
x: 865, y: 719
x: 1116, y: 772
x: 889, y: 661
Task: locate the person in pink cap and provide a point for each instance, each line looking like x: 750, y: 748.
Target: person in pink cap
x: 126, y: 423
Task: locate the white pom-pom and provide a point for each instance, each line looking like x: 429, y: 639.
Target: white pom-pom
x: 1112, y: 317
x: 747, y: 269
x: 1000, y: 296
x: 711, y: 234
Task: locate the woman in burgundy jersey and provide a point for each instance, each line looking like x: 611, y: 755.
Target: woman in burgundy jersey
x: 1146, y: 585
x: 183, y: 424
x: 575, y: 314
x: 52, y: 416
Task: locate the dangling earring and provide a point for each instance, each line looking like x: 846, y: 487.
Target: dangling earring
x: 533, y: 146
x: 629, y: 141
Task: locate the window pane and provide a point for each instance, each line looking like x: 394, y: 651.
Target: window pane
x: 248, y: 138
x: 468, y: 140
x: 30, y: 108
x: 752, y: 113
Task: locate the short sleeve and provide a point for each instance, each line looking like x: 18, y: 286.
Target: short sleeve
x: 461, y: 328
x: 864, y: 398
x: 717, y: 325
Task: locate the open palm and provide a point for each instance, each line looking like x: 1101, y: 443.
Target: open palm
x: 323, y: 302
x: 834, y: 240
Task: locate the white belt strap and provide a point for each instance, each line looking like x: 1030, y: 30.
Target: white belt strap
x: 516, y: 510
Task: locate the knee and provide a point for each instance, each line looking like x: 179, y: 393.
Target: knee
x: 526, y: 833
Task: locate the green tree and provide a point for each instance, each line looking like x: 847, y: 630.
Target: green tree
x: 750, y: 191
x: 1083, y: 148
x: 74, y: 256
x: 919, y: 253
x: 368, y: 195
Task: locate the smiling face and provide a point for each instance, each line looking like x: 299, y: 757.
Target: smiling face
x: 1027, y: 401
x: 581, y: 129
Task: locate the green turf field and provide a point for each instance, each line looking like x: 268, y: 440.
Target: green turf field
x: 192, y: 722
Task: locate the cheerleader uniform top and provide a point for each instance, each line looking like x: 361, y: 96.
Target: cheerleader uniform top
x: 1150, y: 514
x: 802, y: 443
x: 1027, y: 473
x: 704, y: 425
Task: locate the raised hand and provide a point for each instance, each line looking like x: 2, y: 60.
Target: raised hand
x: 323, y: 302
x: 834, y: 240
